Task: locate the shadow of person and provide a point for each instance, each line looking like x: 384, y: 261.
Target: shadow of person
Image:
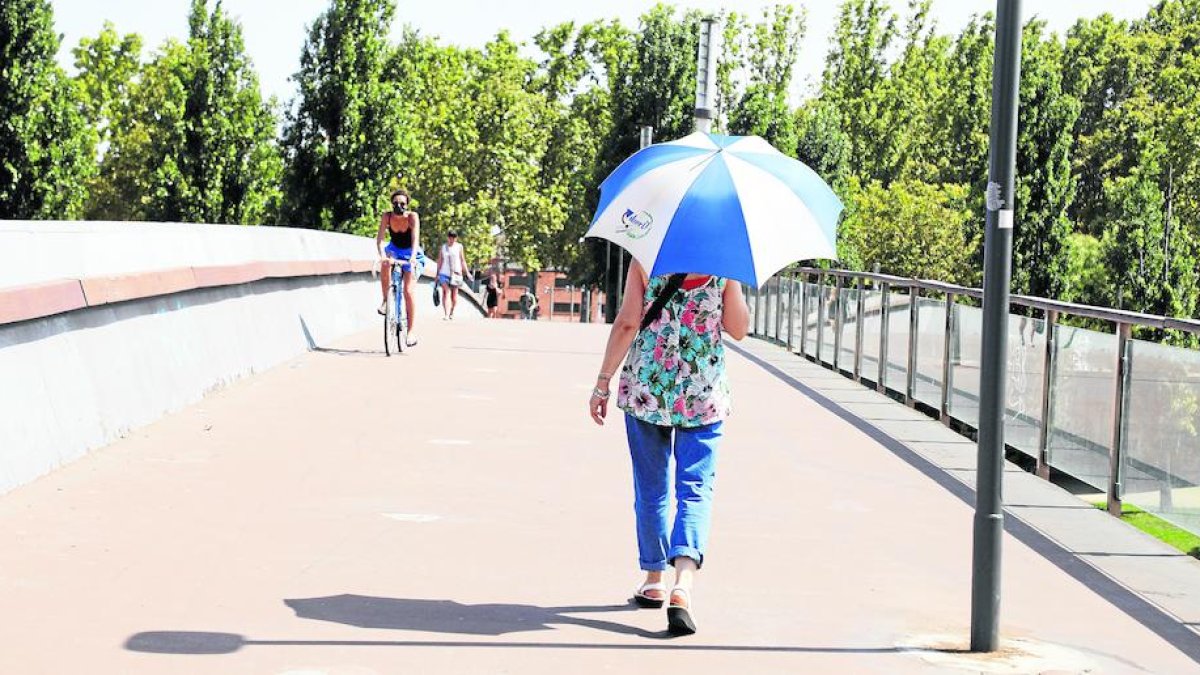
x: 447, y: 616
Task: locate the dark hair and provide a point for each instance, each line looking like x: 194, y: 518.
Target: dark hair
x: 400, y: 193
x: 451, y: 233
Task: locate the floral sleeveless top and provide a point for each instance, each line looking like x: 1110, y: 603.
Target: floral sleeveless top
x: 675, y: 372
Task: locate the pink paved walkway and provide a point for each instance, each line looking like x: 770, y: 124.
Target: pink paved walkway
x: 453, y: 510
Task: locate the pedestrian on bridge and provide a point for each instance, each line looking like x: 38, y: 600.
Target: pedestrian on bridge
x: 675, y: 395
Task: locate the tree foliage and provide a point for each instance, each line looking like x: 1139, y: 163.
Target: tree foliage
x: 508, y: 143
x: 345, y: 136
x: 46, y: 147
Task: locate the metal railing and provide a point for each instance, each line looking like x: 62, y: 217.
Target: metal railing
x: 1117, y: 413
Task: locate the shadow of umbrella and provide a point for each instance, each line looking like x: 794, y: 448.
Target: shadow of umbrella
x: 447, y: 616
x: 431, y: 616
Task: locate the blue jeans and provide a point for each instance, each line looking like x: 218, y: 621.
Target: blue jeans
x: 695, y: 450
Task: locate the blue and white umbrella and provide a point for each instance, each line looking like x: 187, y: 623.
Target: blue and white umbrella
x: 731, y: 206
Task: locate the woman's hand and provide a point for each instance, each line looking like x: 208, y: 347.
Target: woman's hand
x: 598, y: 404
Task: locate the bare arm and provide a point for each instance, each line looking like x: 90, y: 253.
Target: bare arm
x: 735, y: 313
x: 381, y: 235
x: 624, y: 329
x: 462, y: 259
x: 416, y: 230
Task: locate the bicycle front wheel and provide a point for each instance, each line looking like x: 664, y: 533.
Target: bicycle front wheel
x: 391, y: 345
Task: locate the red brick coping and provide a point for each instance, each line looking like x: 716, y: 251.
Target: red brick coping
x: 34, y: 301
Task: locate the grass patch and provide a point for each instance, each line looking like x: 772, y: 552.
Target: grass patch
x: 1159, y: 529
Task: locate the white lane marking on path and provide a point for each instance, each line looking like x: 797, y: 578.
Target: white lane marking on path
x: 448, y: 441
x: 412, y: 517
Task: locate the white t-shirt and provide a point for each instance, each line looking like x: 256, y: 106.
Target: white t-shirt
x: 451, y: 259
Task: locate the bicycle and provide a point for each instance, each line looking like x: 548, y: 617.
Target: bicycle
x: 395, y: 321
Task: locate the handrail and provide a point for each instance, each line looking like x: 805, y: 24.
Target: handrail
x: 822, y: 298
x: 1045, y: 304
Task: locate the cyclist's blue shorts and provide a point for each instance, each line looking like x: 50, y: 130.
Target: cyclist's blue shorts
x: 404, y: 254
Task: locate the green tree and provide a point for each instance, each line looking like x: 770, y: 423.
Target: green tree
x: 107, y: 66
x: 764, y: 109
x: 46, y: 147
x: 856, y: 71
x: 345, y: 136
x: 909, y: 228
x: 194, y: 141
x: 1045, y: 184
x: 963, y: 115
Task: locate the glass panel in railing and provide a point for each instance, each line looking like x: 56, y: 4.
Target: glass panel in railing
x: 751, y: 293
x: 1023, y: 388
x: 872, y: 322
x: 776, y: 293
x: 812, y: 315
x: 797, y: 314
x: 833, y: 297
x: 1162, y: 432
x: 931, y: 327
x: 965, y: 345
x: 1083, y: 389
x: 849, y: 310
x: 897, y: 350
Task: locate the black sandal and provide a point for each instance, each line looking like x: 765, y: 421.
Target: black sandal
x: 679, y: 616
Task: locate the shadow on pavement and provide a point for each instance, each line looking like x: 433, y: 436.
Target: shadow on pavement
x: 447, y: 616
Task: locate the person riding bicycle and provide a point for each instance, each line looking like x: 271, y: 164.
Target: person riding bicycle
x: 403, y: 228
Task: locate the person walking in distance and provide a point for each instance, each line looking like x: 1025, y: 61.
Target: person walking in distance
x: 452, y: 265
x: 402, y: 229
x: 492, y: 293
x: 675, y: 395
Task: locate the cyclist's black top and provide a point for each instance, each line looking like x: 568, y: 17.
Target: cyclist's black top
x: 402, y: 239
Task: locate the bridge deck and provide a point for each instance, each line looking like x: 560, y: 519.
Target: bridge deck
x: 453, y: 510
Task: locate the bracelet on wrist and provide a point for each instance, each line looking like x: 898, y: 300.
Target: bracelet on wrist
x: 601, y: 394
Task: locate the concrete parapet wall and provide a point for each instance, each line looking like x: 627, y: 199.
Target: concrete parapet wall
x: 91, y: 348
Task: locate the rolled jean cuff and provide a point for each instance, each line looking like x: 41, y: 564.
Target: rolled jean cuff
x: 686, y: 552
x: 653, y: 566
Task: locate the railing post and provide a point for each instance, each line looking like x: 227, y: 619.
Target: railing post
x: 914, y: 325
x: 1116, y: 455
x: 820, y: 313
x: 859, y: 311
x: 1049, y: 363
x: 885, y: 320
x: 947, y: 371
x: 837, y: 323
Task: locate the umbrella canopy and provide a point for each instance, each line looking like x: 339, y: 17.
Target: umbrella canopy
x: 731, y: 206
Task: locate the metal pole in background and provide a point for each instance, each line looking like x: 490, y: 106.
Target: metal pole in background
x: 997, y: 276
x: 609, y: 313
x: 707, y: 54
x: 645, y: 140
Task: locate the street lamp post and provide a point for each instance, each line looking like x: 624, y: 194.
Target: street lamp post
x: 707, y: 54
x: 997, y: 276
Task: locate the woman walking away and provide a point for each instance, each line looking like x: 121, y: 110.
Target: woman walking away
x: 403, y: 228
x: 675, y: 395
x: 492, y: 289
x: 452, y: 263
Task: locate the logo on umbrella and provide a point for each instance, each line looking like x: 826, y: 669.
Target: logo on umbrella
x: 636, y: 224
